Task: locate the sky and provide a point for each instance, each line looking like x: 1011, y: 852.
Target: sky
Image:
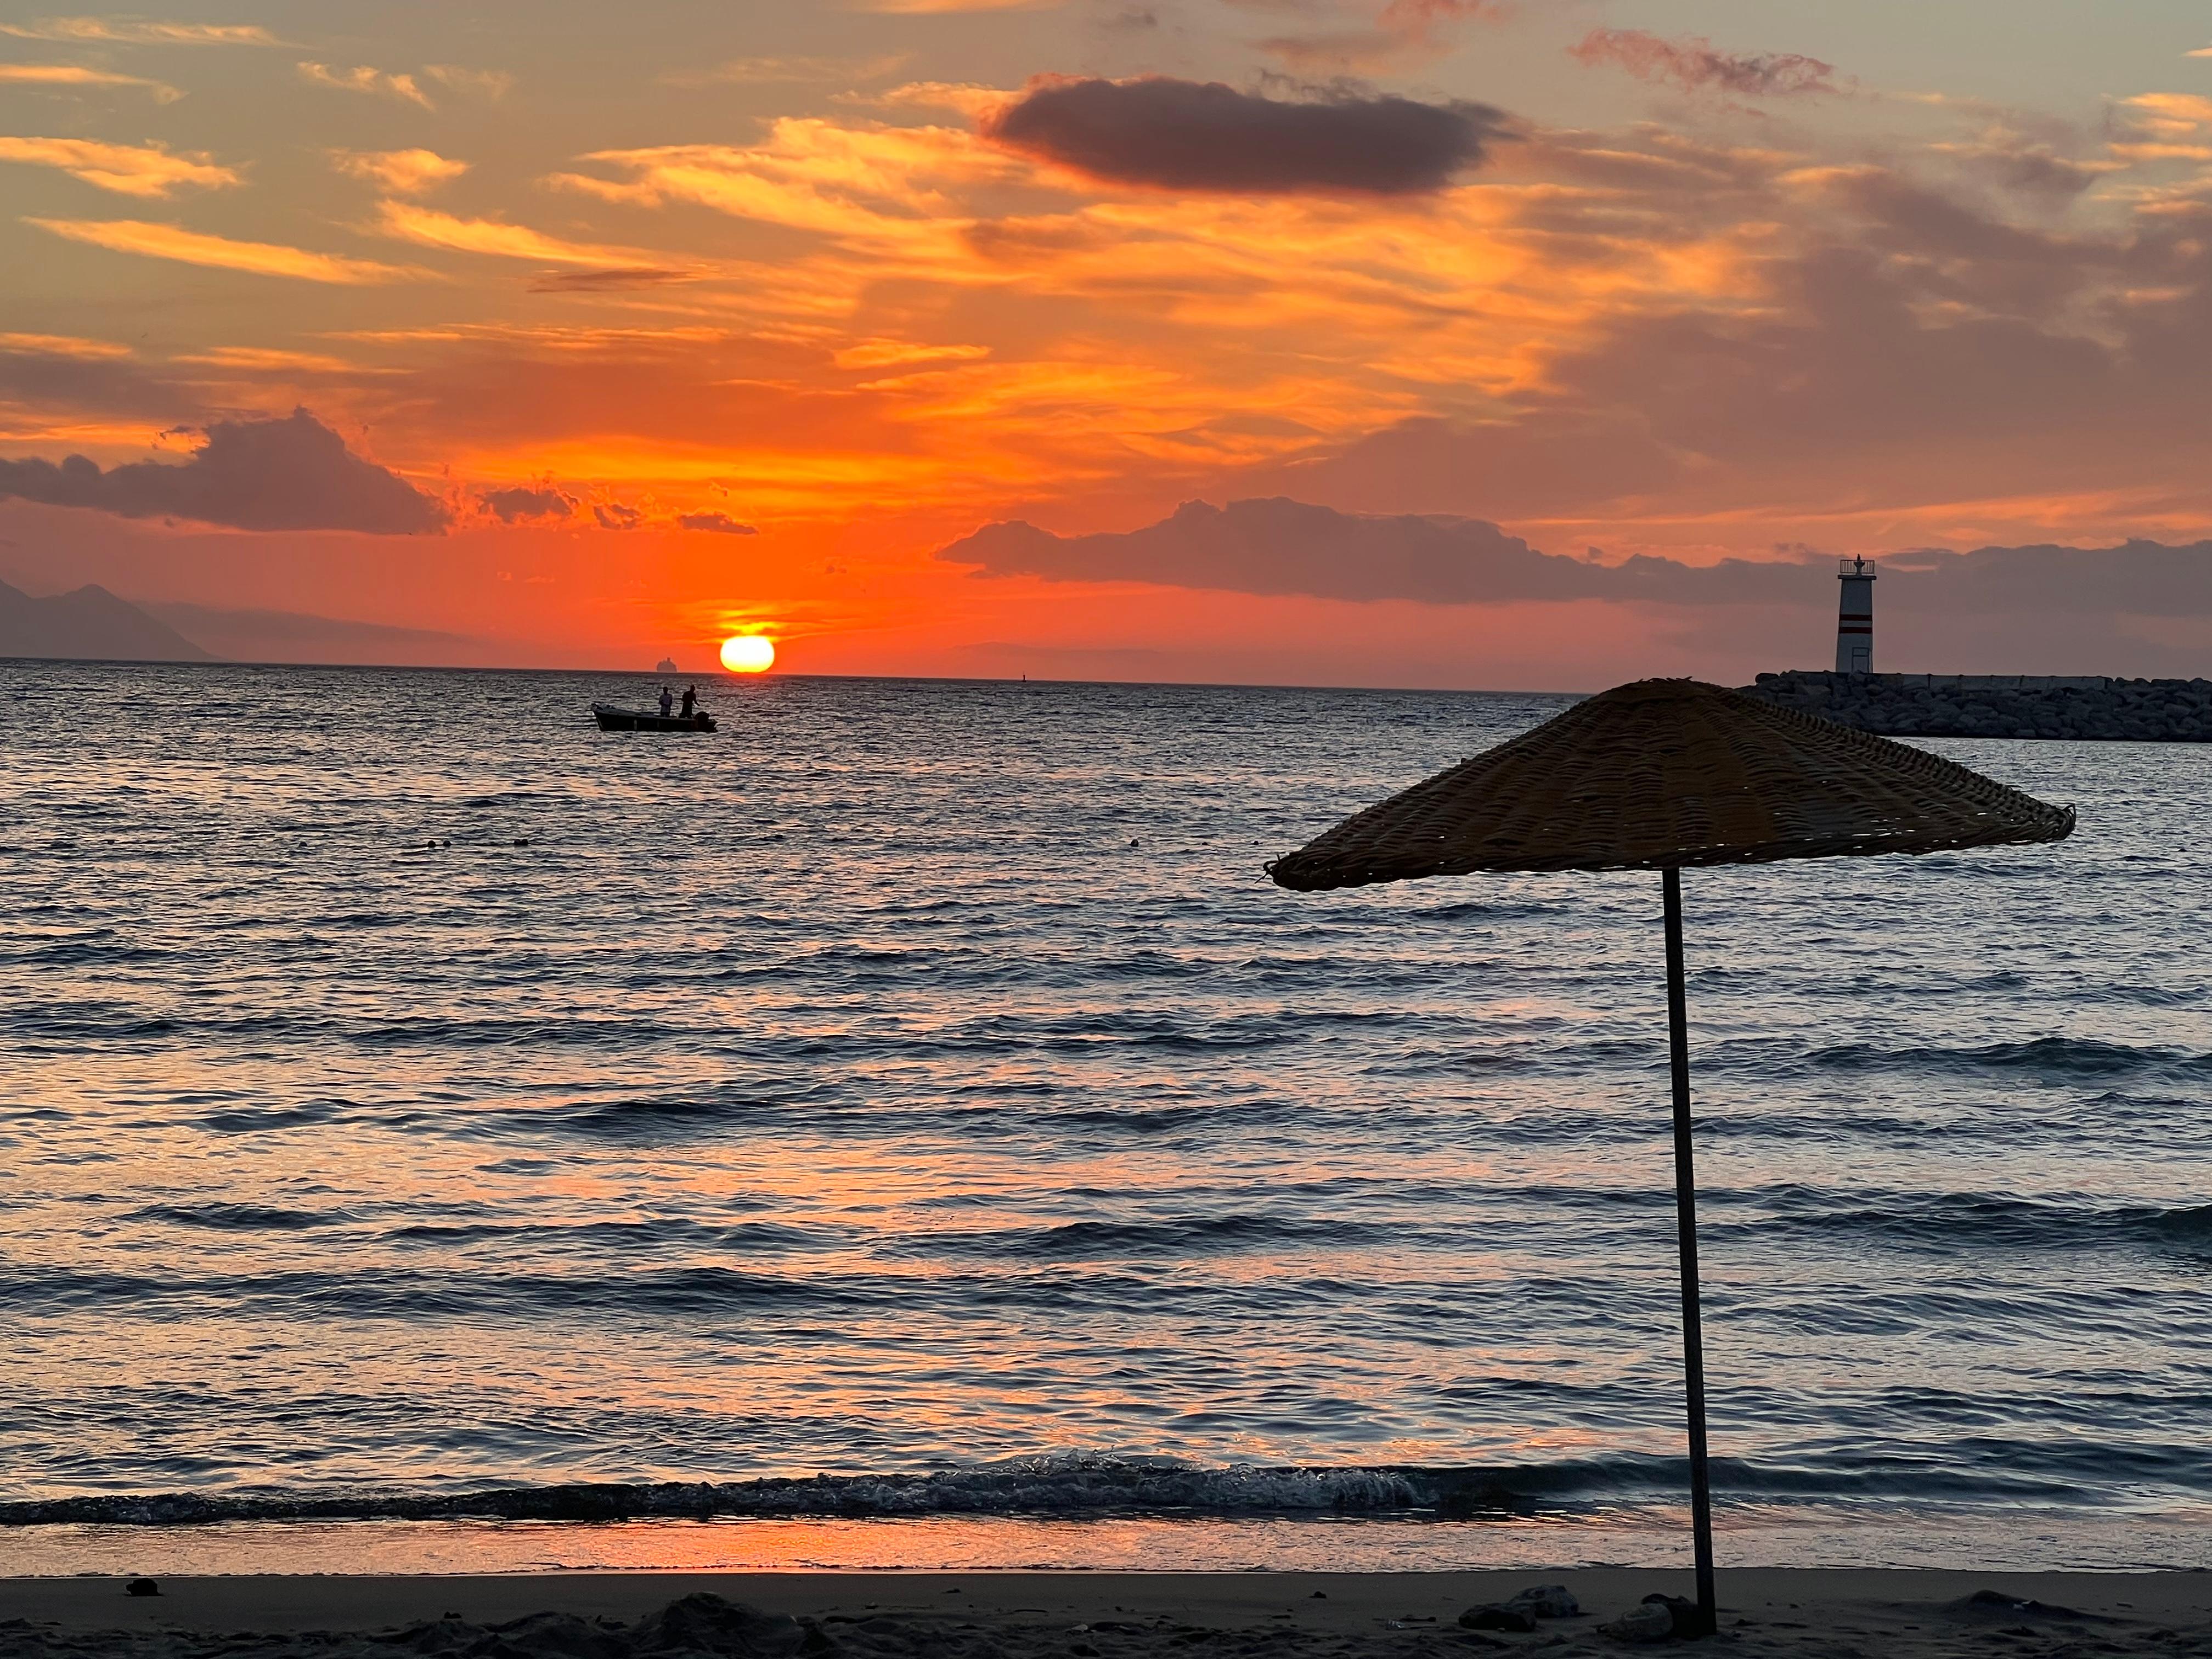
x: 1537, y: 344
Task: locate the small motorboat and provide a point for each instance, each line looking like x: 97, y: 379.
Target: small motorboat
x: 611, y: 718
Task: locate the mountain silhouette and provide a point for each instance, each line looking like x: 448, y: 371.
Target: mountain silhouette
x: 90, y: 624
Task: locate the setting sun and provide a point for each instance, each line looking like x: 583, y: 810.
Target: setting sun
x: 748, y: 653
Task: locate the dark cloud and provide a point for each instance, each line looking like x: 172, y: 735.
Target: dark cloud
x: 2137, y: 607
x: 613, y: 281
x: 1694, y: 63
x: 1282, y: 546
x: 1193, y: 136
x: 518, y: 505
x: 284, y: 474
x: 615, y: 516
x: 720, y: 524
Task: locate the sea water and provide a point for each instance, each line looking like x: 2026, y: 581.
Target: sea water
x: 907, y: 1126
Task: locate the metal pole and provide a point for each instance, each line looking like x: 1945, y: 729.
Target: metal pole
x: 1686, y: 1221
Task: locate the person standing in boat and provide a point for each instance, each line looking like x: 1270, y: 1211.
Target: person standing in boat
x: 667, y: 701
x: 690, y: 701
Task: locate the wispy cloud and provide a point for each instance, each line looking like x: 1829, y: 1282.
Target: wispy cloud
x: 481, y: 84
x: 1694, y: 63
x: 399, y: 171
x: 73, y: 75
x: 614, y: 279
x: 192, y: 247
x: 883, y: 353
x: 134, y: 32
x: 150, y: 170
x: 428, y: 228
x: 759, y: 70
x: 973, y: 102
x: 63, y: 345
x: 270, y: 359
x: 374, y: 81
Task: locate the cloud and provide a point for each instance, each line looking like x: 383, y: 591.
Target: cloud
x: 744, y: 71
x: 399, y: 172
x: 615, y: 516
x: 886, y: 354
x: 272, y: 360
x: 719, y: 524
x: 1190, y: 135
x: 292, y: 473
x: 1281, y: 546
x: 519, y: 505
x: 613, y: 279
x: 430, y: 228
x: 1694, y: 63
x: 63, y: 345
x: 1277, y: 547
x: 373, y: 81
x: 129, y: 170
x: 192, y: 248
x: 70, y: 75
x: 132, y: 32
x: 494, y: 84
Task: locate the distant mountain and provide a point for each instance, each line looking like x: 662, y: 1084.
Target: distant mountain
x: 90, y: 624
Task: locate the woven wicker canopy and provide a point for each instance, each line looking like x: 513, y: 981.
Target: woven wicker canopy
x: 1664, y: 773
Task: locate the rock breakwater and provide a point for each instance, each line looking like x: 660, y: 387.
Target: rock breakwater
x: 2083, y: 708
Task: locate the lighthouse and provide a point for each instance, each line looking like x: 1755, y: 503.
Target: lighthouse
x: 1855, y: 617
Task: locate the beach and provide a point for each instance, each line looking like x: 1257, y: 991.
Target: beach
x: 1910, y: 1614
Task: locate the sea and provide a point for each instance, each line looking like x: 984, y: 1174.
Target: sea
x: 907, y: 1127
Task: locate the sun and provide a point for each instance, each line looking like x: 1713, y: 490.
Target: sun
x: 748, y: 653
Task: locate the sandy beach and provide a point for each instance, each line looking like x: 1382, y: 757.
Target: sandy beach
x: 1016, y: 1615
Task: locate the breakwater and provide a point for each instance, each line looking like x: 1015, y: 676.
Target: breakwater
x: 2085, y: 706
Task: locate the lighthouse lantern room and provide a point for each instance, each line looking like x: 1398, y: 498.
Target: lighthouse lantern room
x: 1855, y: 617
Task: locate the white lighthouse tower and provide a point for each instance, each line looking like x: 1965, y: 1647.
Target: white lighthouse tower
x: 1855, y: 617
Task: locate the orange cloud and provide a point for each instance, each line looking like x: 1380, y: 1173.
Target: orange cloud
x: 129, y: 170
x: 71, y: 75
x: 112, y: 31
x: 400, y: 171
x: 62, y: 345
x: 159, y: 241
x: 429, y: 229
x: 374, y: 81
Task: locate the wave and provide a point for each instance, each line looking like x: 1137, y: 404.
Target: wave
x: 1986, y: 1221
x: 1094, y: 1486
x: 2055, y: 1057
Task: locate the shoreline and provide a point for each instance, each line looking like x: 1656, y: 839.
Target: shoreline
x: 1904, y: 1611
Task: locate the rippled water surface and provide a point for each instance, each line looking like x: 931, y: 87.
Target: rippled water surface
x: 409, y: 1091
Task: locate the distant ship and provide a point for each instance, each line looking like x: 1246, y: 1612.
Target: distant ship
x: 667, y: 666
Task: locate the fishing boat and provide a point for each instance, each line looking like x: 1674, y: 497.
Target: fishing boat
x: 611, y: 718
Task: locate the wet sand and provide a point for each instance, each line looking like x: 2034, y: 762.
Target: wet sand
x: 1046, y: 1615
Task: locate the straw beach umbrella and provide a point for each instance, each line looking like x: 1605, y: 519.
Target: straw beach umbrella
x: 1658, y: 776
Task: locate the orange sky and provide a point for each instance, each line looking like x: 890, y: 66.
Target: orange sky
x: 1687, y: 279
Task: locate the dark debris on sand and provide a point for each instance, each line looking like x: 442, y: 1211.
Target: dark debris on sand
x: 707, y: 1626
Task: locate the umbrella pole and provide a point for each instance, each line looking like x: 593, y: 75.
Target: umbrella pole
x: 1686, y: 1218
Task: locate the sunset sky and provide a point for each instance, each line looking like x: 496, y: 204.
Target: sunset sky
x: 556, y: 333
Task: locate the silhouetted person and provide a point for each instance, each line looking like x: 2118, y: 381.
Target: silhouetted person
x: 667, y: 701
x: 691, y: 701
